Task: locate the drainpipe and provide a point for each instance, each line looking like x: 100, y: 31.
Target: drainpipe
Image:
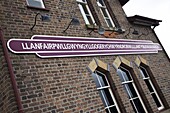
x: 11, y: 72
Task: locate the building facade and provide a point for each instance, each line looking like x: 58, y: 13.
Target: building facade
x: 119, y: 65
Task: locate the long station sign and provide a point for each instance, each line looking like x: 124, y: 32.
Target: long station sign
x: 62, y: 46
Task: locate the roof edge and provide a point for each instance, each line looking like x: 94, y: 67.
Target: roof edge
x: 123, y: 2
x: 145, y: 21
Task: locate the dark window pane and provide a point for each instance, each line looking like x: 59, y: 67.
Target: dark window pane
x: 113, y: 109
x: 94, y: 75
x: 156, y: 100
x: 90, y: 20
x: 130, y: 90
x: 85, y: 9
x: 143, y: 71
x: 106, y: 97
x: 149, y: 85
x: 139, y: 106
x: 101, y: 2
x: 133, y: 105
x: 107, y: 111
x: 104, y: 12
x: 109, y: 97
x: 102, y: 79
x: 109, y: 22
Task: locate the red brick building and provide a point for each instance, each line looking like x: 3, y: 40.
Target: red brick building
x: 111, y: 63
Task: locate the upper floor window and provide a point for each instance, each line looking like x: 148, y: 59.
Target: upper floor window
x: 105, y: 92
x: 131, y: 90
x: 151, y: 87
x: 85, y: 11
x: 105, y: 13
x: 36, y: 3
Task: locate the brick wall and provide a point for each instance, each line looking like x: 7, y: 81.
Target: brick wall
x: 57, y: 85
x: 7, y: 98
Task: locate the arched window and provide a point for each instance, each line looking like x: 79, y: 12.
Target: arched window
x: 124, y: 70
x: 151, y: 87
x: 131, y: 90
x: 151, y: 83
x: 100, y: 75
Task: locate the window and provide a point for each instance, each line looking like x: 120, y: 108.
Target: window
x: 85, y: 11
x: 105, y: 92
x: 131, y: 90
x: 36, y: 3
x: 105, y: 13
x: 151, y: 87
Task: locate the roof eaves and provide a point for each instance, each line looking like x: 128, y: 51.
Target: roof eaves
x: 141, y: 20
x: 123, y: 2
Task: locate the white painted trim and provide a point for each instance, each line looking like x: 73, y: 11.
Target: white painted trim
x: 154, y: 90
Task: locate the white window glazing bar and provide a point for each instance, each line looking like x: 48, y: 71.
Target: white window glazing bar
x: 162, y: 106
x: 103, y: 87
x: 127, y: 90
x: 109, y: 17
x: 140, y: 98
x: 104, y: 99
x: 138, y: 95
x: 110, y: 106
x: 135, y: 106
x: 134, y: 98
x: 90, y: 14
x: 126, y: 82
x: 100, y: 86
x: 150, y: 82
x: 152, y: 92
x: 83, y: 14
x: 106, y: 87
x: 80, y: 4
x: 146, y: 78
x: 107, y: 13
x: 99, y: 79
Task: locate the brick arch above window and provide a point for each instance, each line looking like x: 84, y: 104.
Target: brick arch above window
x: 119, y: 61
x: 96, y: 63
x: 140, y: 60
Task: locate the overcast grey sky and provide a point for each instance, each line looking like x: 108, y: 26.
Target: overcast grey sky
x: 156, y: 9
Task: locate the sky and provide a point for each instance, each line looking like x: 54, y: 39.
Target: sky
x: 156, y: 9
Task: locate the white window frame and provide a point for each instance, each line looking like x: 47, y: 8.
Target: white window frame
x: 105, y: 18
x: 106, y: 87
x: 41, y: 2
x: 127, y: 90
x: 153, y: 88
x: 80, y: 4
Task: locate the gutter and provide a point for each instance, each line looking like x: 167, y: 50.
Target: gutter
x: 11, y: 72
